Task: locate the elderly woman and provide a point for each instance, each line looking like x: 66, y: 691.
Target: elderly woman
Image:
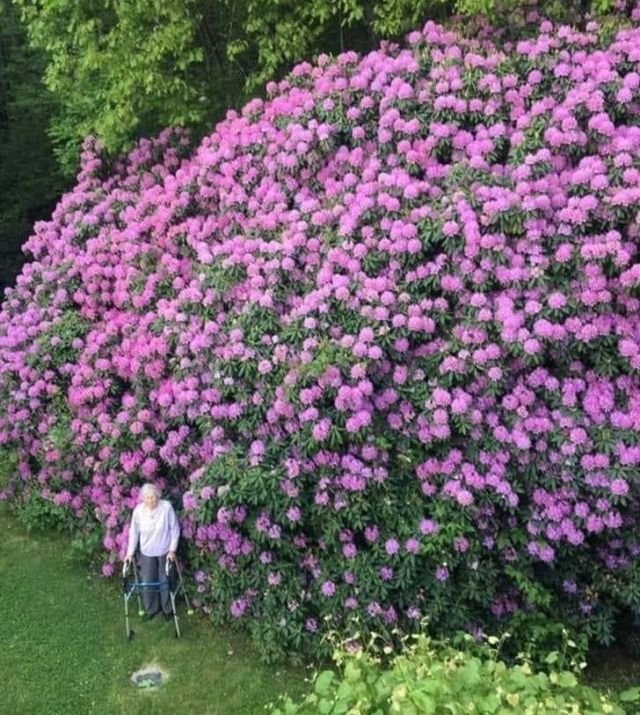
x: 154, y: 527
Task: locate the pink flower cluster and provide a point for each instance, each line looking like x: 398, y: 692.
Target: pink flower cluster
x: 380, y: 330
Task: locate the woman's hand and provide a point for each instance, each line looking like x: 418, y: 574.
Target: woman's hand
x: 171, y: 556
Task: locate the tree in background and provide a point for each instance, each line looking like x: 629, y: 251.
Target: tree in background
x: 121, y: 69
x: 29, y: 178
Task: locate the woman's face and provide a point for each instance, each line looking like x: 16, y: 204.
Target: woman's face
x: 150, y: 500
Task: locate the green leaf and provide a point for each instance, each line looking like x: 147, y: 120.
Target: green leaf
x: 489, y: 703
x: 631, y: 695
x: 567, y: 680
x: 425, y: 702
x: 324, y: 681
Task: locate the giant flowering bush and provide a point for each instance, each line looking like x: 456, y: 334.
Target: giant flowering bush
x: 379, y: 332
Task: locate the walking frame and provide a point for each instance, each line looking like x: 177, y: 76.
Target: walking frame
x: 131, y: 585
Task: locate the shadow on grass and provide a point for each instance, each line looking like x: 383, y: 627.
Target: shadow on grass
x: 612, y: 669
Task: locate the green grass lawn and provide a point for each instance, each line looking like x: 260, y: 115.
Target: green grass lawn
x: 63, y: 650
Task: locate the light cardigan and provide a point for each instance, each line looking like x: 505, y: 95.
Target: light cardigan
x: 157, y: 530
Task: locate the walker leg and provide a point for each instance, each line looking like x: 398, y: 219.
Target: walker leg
x: 176, y: 625
x: 127, y: 625
x: 137, y: 590
x: 181, y: 587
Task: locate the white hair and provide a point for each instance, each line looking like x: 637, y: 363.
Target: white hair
x: 150, y: 489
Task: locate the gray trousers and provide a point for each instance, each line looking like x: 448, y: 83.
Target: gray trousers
x: 153, y: 568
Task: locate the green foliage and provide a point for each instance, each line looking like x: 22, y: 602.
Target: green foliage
x: 29, y: 179
x: 85, y: 547
x: 547, y: 642
x: 8, y: 466
x: 432, y: 677
x: 36, y: 513
x: 55, y: 345
x: 123, y: 68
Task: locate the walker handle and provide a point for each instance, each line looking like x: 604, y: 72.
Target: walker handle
x: 169, y: 563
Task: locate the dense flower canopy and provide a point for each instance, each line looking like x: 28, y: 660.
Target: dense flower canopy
x: 379, y: 331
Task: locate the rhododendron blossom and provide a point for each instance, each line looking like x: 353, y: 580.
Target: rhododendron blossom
x: 378, y: 335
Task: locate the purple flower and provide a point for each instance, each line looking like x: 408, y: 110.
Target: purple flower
x: 374, y: 609
x: 391, y: 547
x: 349, y: 550
x: 238, y: 607
x: 428, y: 527
x: 294, y: 514
x: 371, y: 533
x: 412, y: 546
x: 619, y: 487
x: 328, y: 589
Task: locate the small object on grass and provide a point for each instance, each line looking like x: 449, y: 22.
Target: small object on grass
x: 141, y: 612
x: 148, y: 678
x: 190, y: 612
